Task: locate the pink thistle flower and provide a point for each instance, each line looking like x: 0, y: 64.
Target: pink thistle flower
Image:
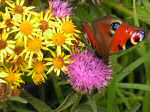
x: 88, y: 72
x: 60, y: 8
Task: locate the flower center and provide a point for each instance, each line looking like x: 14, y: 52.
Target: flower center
x: 9, y: 23
x: 38, y: 78
x: 59, y: 39
x: 39, y: 67
x: 26, y: 28
x: 11, y: 78
x: 18, y: 9
x: 43, y: 25
x: 58, y: 62
x: 3, y: 44
x: 34, y: 44
x: 68, y: 27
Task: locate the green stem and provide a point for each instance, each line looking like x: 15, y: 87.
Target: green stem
x: 136, y: 22
x: 92, y: 103
x: 58, y: 90
x: 146, y: 106
x: 42, y: 93
x: 76, y: 103
x: 5, y: 107
x: 134, y: 86
x: 131, y: 67
x: 122, y: 9
x: 118, y: 6
x: 111, y: 93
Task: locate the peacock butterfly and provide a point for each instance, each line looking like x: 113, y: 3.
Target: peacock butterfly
x: 109, y: 35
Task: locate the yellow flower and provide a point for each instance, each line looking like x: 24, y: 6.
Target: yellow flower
x: 19, y: 64
x: 57, y: 63
x: 6, y: 46
x: 13, y: 78
x: 7, y: 21
x: 59, y: 40
x: 16, y: 60
x: 37, y: 71
x: 19, y: 8
x: 67, y: 26
x: 33, y: 49
x: 4, y: 1
x: 46, y: 21
x: 26, y: 26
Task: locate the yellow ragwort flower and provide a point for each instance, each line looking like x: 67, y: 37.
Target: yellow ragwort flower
x: 59, y: 40
x: 67, y: 26
x: 13, y: 78
x: 37, y: 71
x: 46, y: 21
x: 7, y: 21
x: 33, y: 48
x: 57, y: 63
x: 6, y: 46
x: 26, y: 26
x: 4, y: 1
x: 19, y: 8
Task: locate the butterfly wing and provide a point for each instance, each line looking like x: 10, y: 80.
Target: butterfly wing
x: 105, y: 42
x: 103, y: 36
x: 89, y: 34
x: 99, y: 36
x: 124, y: 36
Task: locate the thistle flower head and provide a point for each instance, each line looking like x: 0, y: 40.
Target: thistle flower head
x: 60, y: 8
x: 87, y: 72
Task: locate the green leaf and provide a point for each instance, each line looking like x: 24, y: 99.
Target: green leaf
x: 142, y: 87
x: 18, y: 99
x: 143, y: 15
x: 146, y: 4
x: 135, y: 108
x: 123, y: 98
x: 20, y: 109
x: 83, y: 108
x: 92, y: 103
x: 130, y: 68
x: 39, y: 105
x: 69, y: 100
x: 76, y: 103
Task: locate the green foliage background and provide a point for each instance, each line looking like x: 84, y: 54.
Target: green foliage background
x: 129, y: 90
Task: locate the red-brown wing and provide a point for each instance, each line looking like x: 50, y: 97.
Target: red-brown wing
x: 89, y: 34
x: 103, y: 36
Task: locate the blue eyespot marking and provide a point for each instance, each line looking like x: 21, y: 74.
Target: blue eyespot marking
x: 115, y: 26
x: 142, y: 34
